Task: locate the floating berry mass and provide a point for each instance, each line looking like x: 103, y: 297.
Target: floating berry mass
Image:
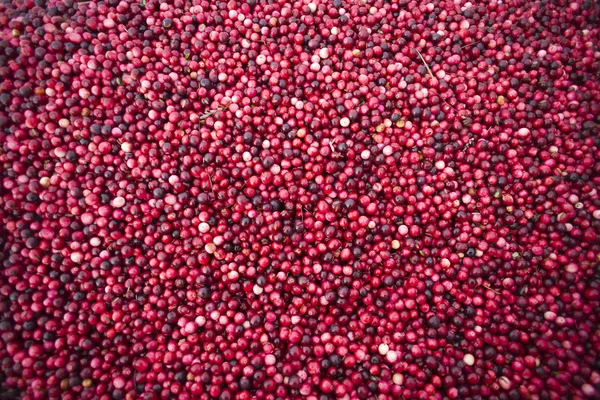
x: 271, y: 199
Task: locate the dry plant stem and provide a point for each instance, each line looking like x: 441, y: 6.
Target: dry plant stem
x: 433, y: 77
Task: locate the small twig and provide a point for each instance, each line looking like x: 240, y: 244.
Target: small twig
x: 489, y: 288
x: 211, y: 185
x: 207, y: 114
x: 212, y: 112
x: 470, y: 44
x: 433, y: 77
x: 331, y: 143
x: 228, y: 207
x: 425, y: 63
x: 468, y: 144
x: 302, y: 213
